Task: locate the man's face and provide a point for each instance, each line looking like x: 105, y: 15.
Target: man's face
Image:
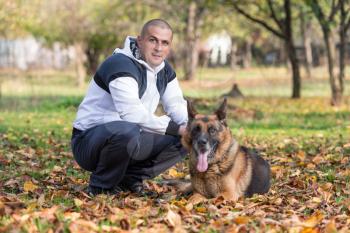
x: 155, y: 45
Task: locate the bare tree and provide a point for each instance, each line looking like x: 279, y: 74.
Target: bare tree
x: 281, y: 27
x: 305, y: 29
x: 326, y: 21
x: 344, y: 27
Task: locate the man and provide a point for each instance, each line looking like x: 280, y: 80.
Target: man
x: 116, y: 134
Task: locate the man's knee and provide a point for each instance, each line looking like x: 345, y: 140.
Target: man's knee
x: 122, y: 130
x: 124, y: 136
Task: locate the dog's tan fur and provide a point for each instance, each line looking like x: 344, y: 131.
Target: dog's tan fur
x: 230, y: 171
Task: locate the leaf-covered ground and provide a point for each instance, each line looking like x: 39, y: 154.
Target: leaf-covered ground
x: 306, y: 142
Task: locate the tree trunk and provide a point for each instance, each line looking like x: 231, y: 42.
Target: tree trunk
x: 343, y: 47
x: 335, y: 89
x: 306, y: 38
x: 295, y: 69
x: 247, y: 58
x: 79, y: 64
x: 191, y: 40
x: 291, y: 51
x: 92, y: 61
x: 233, y: 62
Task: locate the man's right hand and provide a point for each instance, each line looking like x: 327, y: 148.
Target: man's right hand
x: 182, y: 129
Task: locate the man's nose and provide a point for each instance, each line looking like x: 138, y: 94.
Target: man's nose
x: 158, y: 47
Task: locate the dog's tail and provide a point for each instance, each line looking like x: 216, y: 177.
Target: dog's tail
x: 183, y: 186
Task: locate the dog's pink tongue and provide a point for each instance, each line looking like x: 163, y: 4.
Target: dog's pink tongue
x: 202, y: 164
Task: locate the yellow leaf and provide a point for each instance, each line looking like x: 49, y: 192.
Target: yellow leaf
x: 28, y: 186
x: 241, y: 220
x: 175, y: 174
x: 31, y: 206
x: 309, y: 230
x: 316, y: 200
x: 78, y: 202
x: 313, y: 220
x: 57, y: 168
x: 330, y: 227
x: 201, y: 209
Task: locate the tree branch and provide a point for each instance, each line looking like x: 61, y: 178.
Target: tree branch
x: 273, y: 15
x: 334, y: 10
x: 259, y: 21
x: 316, y: 8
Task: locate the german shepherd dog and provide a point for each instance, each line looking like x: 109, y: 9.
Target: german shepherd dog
x: 218, y: 165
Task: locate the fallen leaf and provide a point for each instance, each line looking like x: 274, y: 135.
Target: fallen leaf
x: 330, y: 227
x: 173, y: 173
x: 82, y: 226
x: 241, y: 220
x: 78, y: 203
x: 28, y: 186
x: 173, y: 218
x: 313, y: 221
x: 201, y: 209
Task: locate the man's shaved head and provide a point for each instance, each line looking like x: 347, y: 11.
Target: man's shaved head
x: 157, y: 23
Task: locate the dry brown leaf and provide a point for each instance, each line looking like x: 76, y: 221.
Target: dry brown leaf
x: 72, y: 216
x: 174, y: 219
x: 318, y: 159
x: 196, y: 198
x: 82, y: 226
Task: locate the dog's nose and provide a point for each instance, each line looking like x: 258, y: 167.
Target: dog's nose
x: 202, y: 141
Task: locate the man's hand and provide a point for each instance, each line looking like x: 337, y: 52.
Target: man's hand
x: 182, y: 129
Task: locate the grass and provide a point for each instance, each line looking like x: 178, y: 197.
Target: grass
x: 44, y: 104
x: 38, y: 108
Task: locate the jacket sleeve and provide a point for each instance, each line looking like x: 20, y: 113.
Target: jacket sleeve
x: 174, y: 104
x: 124, y: 91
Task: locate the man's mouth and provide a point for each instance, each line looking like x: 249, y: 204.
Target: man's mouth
x: 156, y: 56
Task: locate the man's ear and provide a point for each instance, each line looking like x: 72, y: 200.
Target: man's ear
x: 190, y: 110
x: 138, y: 40
x: 221, y: 111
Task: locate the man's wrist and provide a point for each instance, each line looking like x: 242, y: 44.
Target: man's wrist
x: 182, y: 129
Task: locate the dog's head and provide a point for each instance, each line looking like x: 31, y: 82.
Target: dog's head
x: 206, y: 136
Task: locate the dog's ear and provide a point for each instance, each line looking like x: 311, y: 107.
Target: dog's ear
x: 221, y: 112
x: 190, y: 110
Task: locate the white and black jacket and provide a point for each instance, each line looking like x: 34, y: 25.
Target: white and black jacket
x: 126, y: 88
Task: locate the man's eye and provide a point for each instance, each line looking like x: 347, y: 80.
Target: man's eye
x: 152, y: 40
x: 165, y: 43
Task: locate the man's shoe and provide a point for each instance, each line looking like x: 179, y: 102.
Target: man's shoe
x: 137, y: 187
x: 134, y: 186
x: 93, y: 191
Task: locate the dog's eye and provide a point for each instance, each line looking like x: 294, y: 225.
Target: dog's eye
x: 212, y: 130
x: 196, y: 129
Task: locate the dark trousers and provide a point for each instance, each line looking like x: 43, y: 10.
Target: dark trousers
x: 118, y: 151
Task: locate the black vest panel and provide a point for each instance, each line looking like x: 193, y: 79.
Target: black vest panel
x: 120, y: 65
